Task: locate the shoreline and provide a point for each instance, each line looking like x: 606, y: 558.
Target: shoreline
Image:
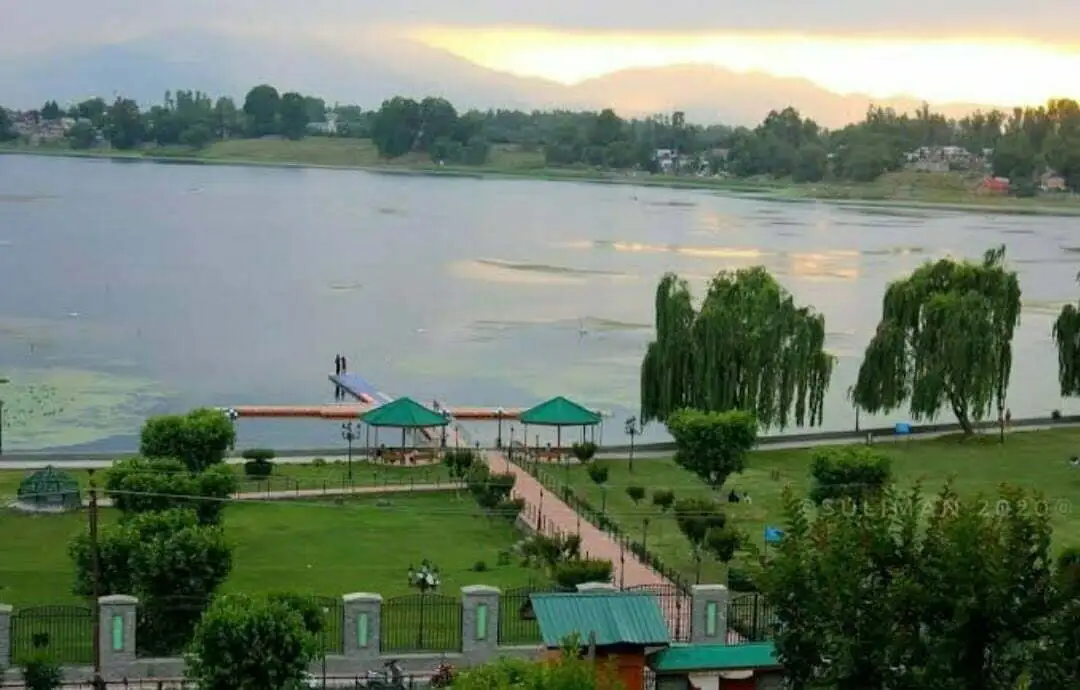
x: 764, y: 191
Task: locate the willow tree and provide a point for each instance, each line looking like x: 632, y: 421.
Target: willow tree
x: 944, y: 340
x: 748, y: 347
x: 1067, y: 339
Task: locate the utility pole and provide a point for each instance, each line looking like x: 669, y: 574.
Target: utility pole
x: 95, y: 558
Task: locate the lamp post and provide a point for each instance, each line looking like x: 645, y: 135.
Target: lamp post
x: 499, y: 412
x: 426, y: 579
x: 2, y: 382
x: 350, y: 434
x: 632, y: 429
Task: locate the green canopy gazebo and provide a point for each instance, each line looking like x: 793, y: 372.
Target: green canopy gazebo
x: 404, y: 414
x: 49, y: 490
x: 559, y: 412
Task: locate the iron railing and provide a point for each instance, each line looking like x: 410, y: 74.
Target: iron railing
x: 64, y: 633
x: 423, y: 622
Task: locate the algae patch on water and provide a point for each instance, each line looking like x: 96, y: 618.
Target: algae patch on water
x: 46, y: 408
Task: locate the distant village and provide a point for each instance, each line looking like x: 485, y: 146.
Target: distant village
x: 37, y: 131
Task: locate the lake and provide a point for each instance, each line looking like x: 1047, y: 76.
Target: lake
x: 132, y: 288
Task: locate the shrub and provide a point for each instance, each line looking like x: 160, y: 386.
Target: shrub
x: 584, y: 452
x: 598, y: 473
x: 41, y: 672
x: 509, y: 508
x: 258, y: 468
x: 854, y: 473
x: 712, y: 445
x: 479, y: 567
x: 740, y: 580
x: 636, y: 493
x: 258, y: 454
x: 312, y: 614
x: 318, y: 462
x: 574, y: 573
x: 663, y: 499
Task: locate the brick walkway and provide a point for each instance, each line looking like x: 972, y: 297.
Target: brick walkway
x: 557, y: 517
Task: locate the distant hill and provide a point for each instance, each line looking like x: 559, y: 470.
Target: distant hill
x: 144, y: 69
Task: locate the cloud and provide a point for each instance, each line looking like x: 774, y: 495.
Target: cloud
x: 76, y: 21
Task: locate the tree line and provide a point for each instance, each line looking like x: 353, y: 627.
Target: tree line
x: 1019, y: 145
x: 943, y: 344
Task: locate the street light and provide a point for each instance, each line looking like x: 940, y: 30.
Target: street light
x: 425, y: 579
x: 632, y: 429
x: 350, y: 434
x: 499, y: 412
x: 2, y: 382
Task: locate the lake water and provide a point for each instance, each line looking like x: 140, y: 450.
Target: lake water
x: 132, y: 288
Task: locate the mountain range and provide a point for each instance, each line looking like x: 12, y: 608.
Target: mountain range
x: 145, y: 68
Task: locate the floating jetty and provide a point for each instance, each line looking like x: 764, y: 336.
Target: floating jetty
x: 368, y: 397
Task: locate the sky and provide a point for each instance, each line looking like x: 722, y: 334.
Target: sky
x: 983, y: 51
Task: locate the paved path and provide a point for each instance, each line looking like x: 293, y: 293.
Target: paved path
x: 320, y: 493
x: 557, y: 517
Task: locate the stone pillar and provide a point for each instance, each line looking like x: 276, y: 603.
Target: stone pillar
x: 117, y: 643
x: 708, y: 615
x: 5, y: 638
x: 479, y: 622
x: 593, y: 587
x: 362, y: 627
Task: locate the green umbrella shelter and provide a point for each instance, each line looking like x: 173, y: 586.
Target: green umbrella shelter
x: 559, y: 412
x: 404, y: 414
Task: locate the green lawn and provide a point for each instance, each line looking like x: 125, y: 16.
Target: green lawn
x: 314, y: 547
x: 290, y: 477
x: 1034, y: 460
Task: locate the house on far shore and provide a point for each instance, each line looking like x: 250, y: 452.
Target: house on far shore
x: 1050, y: 181
x: 994, y: 185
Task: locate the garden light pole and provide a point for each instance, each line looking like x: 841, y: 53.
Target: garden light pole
x: 425, y: 579
x: 2, y: 382
x: 499, y: 412
x: 632, y: 430
x: 350, y: 434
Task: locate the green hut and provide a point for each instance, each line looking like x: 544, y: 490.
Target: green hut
x: 50, y: 489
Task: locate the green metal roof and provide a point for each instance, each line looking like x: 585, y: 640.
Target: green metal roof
x: 404, y: 413
x: 614, y: 617
x: 559, y: 412
x: 714, y: 657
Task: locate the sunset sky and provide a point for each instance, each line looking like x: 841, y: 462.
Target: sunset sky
x: 988, y: 51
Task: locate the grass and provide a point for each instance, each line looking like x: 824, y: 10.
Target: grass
x: 290, y: 477
x: 312, y: 547
x: 1034, y: 460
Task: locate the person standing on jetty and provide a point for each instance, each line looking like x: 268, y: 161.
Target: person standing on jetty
x: 337, y: 365
x: 344, y: 365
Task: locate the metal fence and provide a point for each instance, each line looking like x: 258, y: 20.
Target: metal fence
x: 676, y: 605
x: 65, y: 633
x: 421, y: 623
x: 333, y: 638
x: 517, y: 622
x: 410, y: 682
x: 751, y: 618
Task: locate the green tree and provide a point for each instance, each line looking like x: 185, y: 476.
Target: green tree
x: 396, y: 127
x: 124, y: 124
x: 893, y: 603
x: 51, y: 111
x: 748, y: 347
x: 199, y: 439
x: 6, y: 131
x: 292, y: 115
x: 712, y: 445
x: 42, y: 672
x: 848, y: 473
x: 139, y: 485
x: 226, y: 119
x: 94, y: 110
x: 438, y: 120
x: 705, y: 526
x: 944, y: 339
x: 261, y: 110
x: 571, y: 671
x: 248, y: 643
x: 170, y: 561
x: 811, y: 164
x: 82, y: 135
x: 197, y: 136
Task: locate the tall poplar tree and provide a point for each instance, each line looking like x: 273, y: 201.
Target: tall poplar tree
x: 944, y: 340
x: 748, y: 347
